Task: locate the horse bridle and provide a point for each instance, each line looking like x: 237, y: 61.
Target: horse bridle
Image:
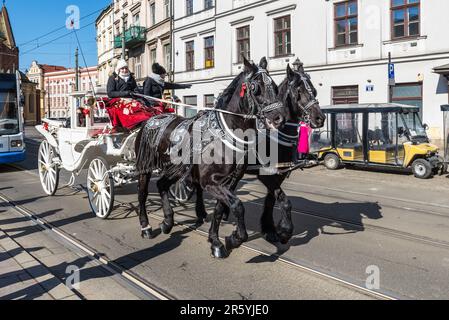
x: 254, y: 90
x: 306, y: 110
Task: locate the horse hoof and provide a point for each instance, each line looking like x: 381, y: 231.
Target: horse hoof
x: 165, y: 229
x: 229, y: 244
x: 147, y: 234
x: 272, y: 237
x: 219, y: 252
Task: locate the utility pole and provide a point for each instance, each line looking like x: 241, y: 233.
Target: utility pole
x: 77, y: 76
x: 123, y: 37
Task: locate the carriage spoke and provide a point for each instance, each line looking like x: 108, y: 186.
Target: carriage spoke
x: 100, y: 205
x: 105, y: 204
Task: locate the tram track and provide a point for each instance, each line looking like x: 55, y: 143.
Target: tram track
x: 154, y: 293
x: 289, y: 262
x: 129, y: 278
x: 363, y: 226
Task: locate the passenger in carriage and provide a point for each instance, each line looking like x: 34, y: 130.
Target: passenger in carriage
x: 122, y: 83
x: 155, y: 85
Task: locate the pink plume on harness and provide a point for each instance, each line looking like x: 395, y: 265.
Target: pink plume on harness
x: 304, y: 138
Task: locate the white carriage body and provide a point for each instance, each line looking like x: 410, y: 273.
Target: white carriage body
x: 86, y: 141
x: 85, y: 137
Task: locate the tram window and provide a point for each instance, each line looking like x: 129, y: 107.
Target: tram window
x: 349, y: 129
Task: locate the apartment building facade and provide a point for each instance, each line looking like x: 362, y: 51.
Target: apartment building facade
x: 344, y: 46
x: 146, y: 26
x: 107, y: 54
x: 36, y: 74
x: 60, y: 84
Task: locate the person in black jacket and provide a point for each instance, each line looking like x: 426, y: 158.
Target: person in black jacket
x: 122, y: 83
x: 155, y: 84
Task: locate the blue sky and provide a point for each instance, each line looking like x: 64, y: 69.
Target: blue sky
x: 33, y: 19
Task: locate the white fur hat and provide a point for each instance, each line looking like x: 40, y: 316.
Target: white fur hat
x: 120, y: 64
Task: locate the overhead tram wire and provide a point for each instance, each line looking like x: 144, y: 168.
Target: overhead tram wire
x: 85, y: 63
x: 58, y: 29
x: 53, y: 40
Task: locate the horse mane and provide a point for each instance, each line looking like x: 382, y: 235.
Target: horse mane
x: 283, y: 89
x: 228, y: 93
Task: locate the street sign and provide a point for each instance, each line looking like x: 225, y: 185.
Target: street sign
x: 391, y: 74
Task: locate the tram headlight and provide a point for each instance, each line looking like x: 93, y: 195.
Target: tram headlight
x: 16, y: 143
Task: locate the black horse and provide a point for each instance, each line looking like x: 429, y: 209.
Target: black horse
x: 299, y: 96
x: 251, y: 96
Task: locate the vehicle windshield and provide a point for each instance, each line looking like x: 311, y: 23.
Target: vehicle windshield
x: 9, y: 121
x: 414, y: 126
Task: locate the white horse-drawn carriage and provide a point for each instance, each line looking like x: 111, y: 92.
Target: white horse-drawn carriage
x: 85, y: 141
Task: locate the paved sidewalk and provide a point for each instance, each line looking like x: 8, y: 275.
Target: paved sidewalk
x: 25, y: 278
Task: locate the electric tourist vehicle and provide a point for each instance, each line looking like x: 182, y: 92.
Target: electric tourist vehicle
x: 383, y: 135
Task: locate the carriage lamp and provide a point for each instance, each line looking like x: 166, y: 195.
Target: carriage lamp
x: 16, y: 143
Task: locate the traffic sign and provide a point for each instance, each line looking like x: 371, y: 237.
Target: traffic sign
x: 391, y: 74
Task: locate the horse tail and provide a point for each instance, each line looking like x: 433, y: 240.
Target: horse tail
x: 147, y: 150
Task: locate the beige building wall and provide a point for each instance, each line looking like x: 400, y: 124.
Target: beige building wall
x: 152, y: 15
x: 105, y: 44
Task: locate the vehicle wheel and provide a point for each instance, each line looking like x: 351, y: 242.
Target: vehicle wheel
x: 332, y: 161
x: 422, y: 169
x: 100, y: 188
x: 182, y: 191
x: 48, y: 169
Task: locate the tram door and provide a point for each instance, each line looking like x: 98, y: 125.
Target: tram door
x: 384, y: 147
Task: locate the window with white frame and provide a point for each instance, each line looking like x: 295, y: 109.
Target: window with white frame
x: 282, y: 36
x: 138, y: 67
x: 152, y: 13
x: 136, y: 20
x: 208, y: 4
x: 166, y: 9
x: 189, y: 7
x: 167, y: 56
x: 209, y: 52
x: 153, y: 55
x: 190, y: 56
x: 243, y: 44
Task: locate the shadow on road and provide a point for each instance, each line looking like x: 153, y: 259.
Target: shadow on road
x: 126, y: 262
x: 312, y: 219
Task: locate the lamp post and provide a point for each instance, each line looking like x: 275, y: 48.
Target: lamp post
x: 298, y: 65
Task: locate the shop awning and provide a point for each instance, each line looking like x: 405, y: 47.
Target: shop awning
x: 443, y: 70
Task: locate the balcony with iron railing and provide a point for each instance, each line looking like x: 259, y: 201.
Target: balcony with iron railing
x: 133, y: 36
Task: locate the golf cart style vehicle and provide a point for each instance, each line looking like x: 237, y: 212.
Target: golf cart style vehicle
x: 382, y: 135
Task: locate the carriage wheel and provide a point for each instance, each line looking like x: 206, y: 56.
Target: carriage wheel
x: 48, y: 170
x: 181, y: 191
x: 100, y: 188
